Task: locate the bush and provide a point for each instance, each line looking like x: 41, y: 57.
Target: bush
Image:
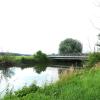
x: 93, y: 59
x: 26, y: 90
x: 40, y: 57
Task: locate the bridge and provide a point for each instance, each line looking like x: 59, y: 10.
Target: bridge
x: 68, y: 57
x: 75, y: 60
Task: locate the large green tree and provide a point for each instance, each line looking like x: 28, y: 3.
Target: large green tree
x: 69, y: 46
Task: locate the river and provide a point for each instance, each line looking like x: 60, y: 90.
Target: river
x: 15, y: 78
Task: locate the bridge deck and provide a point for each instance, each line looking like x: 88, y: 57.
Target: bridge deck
x: 68, y: 57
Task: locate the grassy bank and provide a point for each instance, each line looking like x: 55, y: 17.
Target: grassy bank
x: 82, y: 85
x: 8, y: 60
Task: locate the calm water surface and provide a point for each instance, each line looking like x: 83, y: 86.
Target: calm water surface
x: 15, y: 78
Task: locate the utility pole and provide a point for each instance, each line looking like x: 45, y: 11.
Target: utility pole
x: 98, y: 43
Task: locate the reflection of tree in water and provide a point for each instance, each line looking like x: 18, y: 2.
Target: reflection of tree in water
x: 6, y: 73
x: 40, y: 67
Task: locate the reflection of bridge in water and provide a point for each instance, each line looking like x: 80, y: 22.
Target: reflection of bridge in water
x: 71, y: 59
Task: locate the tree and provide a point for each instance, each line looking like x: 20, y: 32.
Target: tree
x: 70, y: 46
x: 41, y: 60
x: 40, y: 57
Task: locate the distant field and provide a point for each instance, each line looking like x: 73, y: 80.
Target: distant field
x: 19, y: 57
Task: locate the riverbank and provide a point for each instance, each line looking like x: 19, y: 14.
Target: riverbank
x: 78, y: 85
x: 9, y: 60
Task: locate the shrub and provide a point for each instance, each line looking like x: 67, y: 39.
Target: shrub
x: 40, y: 57
x: 26, y: 90
x: 93, y: 59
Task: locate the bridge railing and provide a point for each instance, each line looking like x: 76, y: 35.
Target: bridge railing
x: 72, y: 54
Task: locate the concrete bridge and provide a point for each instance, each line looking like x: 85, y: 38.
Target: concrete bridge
x: 68, y: 57
x: 75, y: 60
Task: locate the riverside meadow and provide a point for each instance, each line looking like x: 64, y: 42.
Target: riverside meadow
x: 82, y: 84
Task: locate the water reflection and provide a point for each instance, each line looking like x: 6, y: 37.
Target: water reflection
x: 17, y: 77
x: 6, y: 73
x: 40, y: 67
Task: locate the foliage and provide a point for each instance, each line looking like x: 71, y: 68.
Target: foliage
x: 70, y: 46
x: 40, y: 67
x: 93, y: 59
x: 38, y: 60
x: 41, y: 61
x: 26, y: 90
x: 40, y: 57
x: 83, y: 85
x: 7, y: 60
x: 27, y: 61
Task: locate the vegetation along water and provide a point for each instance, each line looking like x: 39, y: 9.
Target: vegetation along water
x: 74, y: 84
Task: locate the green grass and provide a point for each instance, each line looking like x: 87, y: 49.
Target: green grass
x: 82, y: 85
x: 16, y: 60
x: 20, y: 57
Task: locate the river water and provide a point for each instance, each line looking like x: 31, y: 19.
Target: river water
x: 15, y: 78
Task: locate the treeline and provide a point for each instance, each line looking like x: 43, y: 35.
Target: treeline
x: 13, y: 54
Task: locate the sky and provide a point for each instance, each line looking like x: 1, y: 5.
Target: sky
x: 27, y: 26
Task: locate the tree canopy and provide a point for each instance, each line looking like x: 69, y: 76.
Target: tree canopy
x: 40, y: 57
x: 69, y: 46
